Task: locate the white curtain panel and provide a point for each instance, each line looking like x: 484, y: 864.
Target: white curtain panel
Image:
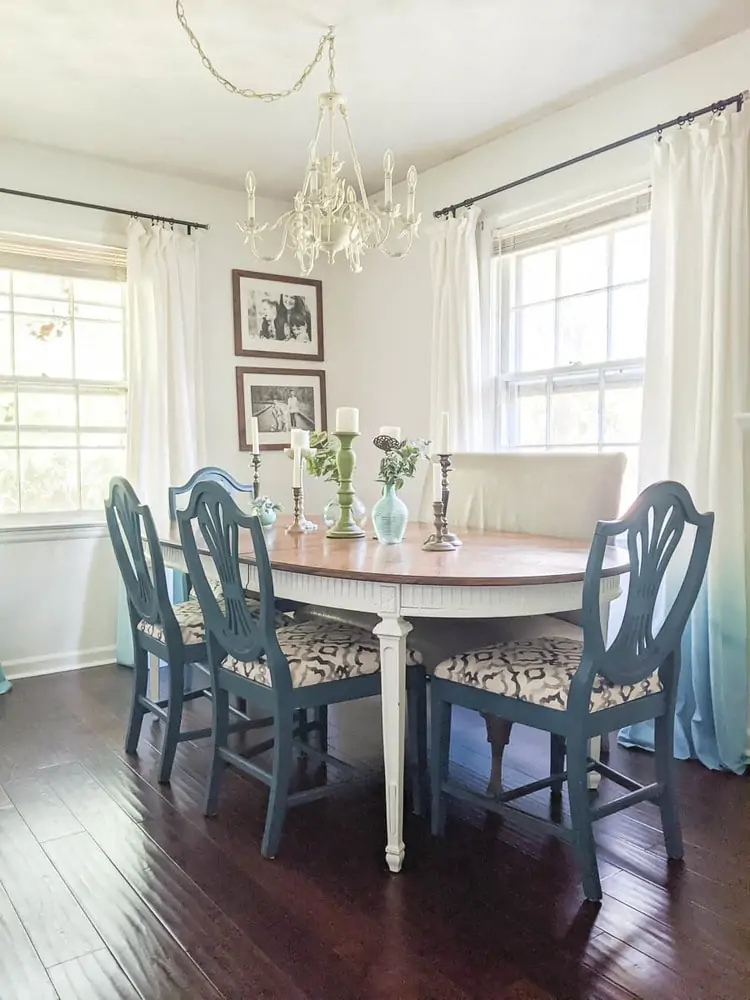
x: 165, y: 408
x: 456, y: 386
x: 696, y: 382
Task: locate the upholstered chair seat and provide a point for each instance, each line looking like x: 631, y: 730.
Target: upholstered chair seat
x: 319, y: 652
x: 539, y: 671
x: 190, y: 620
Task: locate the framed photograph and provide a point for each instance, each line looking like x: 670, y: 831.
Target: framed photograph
x: 281, y: 399
x: 277, y: 317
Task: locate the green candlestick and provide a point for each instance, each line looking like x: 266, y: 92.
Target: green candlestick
x: 346, y: 461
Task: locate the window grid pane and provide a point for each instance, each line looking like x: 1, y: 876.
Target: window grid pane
x: 62, y: 391
x: 573, y: 362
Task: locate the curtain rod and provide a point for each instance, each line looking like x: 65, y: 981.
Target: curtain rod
x: 715, y: 109
x: 105, y: 208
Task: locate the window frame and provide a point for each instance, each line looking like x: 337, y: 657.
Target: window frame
x: 505, y: 301
x: 69, y: 262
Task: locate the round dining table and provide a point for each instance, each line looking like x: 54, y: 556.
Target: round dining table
x: 491, y: 575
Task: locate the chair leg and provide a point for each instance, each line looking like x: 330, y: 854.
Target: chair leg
x: 556, y: 761
x: 416, y: 698
x: 605, y: 747
x: 174, y: 722
x: 303, y: 725
x: 321, y: 720
x: 580, y: 815
x: 219, y: 740
x: 137, y: 709
x: 283, y: 757
x: 440, y: 745
x: 670, y: 818
x: 498, y: 736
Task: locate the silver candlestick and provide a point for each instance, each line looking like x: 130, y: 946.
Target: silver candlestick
x: 445, y: 468
x: 437, y: 542
x: 256, y: 475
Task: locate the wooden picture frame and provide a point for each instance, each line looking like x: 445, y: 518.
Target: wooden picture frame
x: 276, y: 316
x: 283, y: 398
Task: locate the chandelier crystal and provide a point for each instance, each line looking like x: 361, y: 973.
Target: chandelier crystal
x: 329, y: 213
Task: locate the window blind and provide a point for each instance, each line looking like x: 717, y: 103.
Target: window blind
x: 505, y: 241
x: 74, y: 260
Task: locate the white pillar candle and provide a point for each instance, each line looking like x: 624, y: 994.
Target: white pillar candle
x: 347, y: 420
x: 254, y: 436
x: 391, y: 432
x: 437, y: 482
x: 443, y: 441
x: 300, y: 440
x: 296, y: 468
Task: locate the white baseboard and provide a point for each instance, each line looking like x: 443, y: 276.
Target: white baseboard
x: 56, y: 663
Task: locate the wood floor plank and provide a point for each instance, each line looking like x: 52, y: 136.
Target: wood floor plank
x: 151, y: 958
x: 22, y: 975
x: 96, y: 976
x: 56, y: 924
x: 42, y: 810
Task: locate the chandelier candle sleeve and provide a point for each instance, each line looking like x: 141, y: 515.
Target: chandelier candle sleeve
x: 347, y: 420
x: 392, y: 432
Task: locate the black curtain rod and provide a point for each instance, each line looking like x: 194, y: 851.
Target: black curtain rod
x: 105, y: 208
x: 715, y: 109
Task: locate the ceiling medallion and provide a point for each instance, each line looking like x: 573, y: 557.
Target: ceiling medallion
x: 329, y: 214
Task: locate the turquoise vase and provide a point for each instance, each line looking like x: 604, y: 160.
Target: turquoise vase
x: 267, y: 518
x: 389, y: 517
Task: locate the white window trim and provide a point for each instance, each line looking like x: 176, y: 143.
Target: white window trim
x: 605, y: 215
x: 75, y: 260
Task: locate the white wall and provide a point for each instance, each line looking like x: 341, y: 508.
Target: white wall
x: 379, y: 330
x: 57, y: 607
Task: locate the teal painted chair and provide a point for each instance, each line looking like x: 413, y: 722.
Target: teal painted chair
x: 208, y: 474
x: 578, y: 690
x: 172, y: 633
x: 305, y: 666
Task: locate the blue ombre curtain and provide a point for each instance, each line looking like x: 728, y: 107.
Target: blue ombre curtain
x: 696, y: 389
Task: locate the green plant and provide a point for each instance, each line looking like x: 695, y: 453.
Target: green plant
x: 321, y: 459
x: 261, y: 505
x: 400, y: 460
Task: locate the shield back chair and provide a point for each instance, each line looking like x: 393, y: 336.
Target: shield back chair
x: 173, y: 634
x: 532, y: 493
x: 307, y: 665
x: 578, y: 690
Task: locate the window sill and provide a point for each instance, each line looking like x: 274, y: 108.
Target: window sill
x: 50, y: 531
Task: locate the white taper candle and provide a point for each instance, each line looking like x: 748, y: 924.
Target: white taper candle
x: 254, y: 436
x: 443, y: 441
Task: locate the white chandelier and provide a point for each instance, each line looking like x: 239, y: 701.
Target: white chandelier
x: 329, y: 214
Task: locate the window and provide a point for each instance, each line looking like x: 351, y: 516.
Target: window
x: 573, y: 337
x: 62, y: 383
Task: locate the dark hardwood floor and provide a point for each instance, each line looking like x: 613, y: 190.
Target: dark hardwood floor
x: 115, y: 888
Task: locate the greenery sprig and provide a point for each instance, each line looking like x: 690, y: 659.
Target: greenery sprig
x: 400, y: 460
x: 321, y: 459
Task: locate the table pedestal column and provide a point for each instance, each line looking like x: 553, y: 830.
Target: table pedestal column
x: 392, y: 631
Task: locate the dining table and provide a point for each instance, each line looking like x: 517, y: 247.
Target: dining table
x: 490, y: 575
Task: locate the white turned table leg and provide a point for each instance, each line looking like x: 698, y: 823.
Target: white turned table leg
x: 392, y: 632
x: 595, y: 745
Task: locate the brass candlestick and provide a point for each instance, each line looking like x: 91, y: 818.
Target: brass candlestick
x: 437, y: 542
x: 256, y: 476
x: 445, y: 468
x: 303, y: 524
x: 346, y: 460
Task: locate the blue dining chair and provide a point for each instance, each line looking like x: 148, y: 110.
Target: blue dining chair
x: 173, y: 633
x: 208, y: 474
x: 285, y: 671
x: 577, y: 690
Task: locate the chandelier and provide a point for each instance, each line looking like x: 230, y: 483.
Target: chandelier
x: 329, y: 213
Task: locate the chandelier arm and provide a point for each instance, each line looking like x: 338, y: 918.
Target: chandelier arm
x: 251, y: 234
x: 268, y: 96
x: 405, y: 250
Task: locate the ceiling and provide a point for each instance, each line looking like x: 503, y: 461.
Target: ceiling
x: 429, y: 78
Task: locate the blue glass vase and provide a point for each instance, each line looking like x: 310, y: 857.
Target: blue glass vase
x: 389, y: 517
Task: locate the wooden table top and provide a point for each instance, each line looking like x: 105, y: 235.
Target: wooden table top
x: 486, y: 558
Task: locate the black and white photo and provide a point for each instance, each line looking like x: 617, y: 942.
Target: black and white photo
x: 276, y: 316
x: 281, y: 399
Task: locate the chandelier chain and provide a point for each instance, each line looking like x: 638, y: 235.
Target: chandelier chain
x: 268, y: 96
